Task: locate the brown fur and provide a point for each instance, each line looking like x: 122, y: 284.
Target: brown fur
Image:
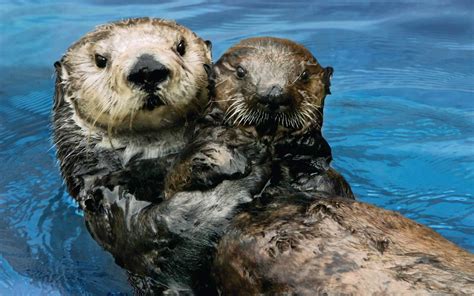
x: 237, y: 121
x: 270, y: 61
x: 337, y: 247
x: 308, y: 243
x: 186, y: 173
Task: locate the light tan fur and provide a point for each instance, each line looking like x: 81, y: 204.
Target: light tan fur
x: 104, y: 97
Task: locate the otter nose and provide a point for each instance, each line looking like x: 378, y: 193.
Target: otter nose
x: 147, y: 73
x: 274, y: 98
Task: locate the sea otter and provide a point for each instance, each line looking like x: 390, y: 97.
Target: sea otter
x: 124, y: 93
x: 268, y: 95
x: 124, y: 96
x: 304, y: 234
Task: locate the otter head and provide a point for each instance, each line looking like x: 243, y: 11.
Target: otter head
x: 271, y: 82
x: 139, y: 74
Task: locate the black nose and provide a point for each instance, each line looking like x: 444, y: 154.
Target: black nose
x: 274, y: 98
x: 147, y: 73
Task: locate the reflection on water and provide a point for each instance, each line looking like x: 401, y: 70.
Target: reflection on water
x: 400, y: 119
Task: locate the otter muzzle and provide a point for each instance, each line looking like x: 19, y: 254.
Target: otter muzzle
x: 148, y: 73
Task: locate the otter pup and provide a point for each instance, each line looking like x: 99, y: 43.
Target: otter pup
x: 124, y: 93
x: 268, y: 95
x: 304, y: 235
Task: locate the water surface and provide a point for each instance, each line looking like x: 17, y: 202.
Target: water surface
x: 400, y: 119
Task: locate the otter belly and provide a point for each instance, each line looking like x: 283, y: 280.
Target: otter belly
x: 335, y: 246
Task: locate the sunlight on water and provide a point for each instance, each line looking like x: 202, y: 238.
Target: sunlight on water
x: 400, y: 119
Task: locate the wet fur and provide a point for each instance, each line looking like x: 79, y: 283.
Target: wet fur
x: 323, y: 245
x: 225, y: 144
x: 304, y: 235
x: 99, y: 121
x: 113, y: 154
x: 168, y: 246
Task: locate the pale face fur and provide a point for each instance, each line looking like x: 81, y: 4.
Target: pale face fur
x: 268, y: 62
x: 104, y: 98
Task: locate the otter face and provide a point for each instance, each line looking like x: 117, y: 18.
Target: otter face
x: 271, y: 81
x: 135, y: 74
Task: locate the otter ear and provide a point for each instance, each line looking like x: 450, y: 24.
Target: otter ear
x: 209, y: 49
x: 57, y: 66
x: 208, y: 44
x: 327, y: 79
x: 58, y: 89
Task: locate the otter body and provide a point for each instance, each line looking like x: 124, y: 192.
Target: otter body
x: 267, y: 106
x: 125, y: 94
x: 304, y: 234
x: 324, y: 245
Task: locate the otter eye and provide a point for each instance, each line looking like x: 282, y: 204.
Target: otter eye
x: 304, y: 76
x: 181, y: 48
x: 100, y: 61
x: 241, y: 72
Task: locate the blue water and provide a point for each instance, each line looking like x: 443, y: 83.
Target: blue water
x: 400, y: 119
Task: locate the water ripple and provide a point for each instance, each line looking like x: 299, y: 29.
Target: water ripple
x: 400, y: 119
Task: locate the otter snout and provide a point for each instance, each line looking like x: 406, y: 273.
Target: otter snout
x: 274, y: 98
x: 148, y: 73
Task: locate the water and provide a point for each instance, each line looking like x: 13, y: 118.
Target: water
x: 400, y: 119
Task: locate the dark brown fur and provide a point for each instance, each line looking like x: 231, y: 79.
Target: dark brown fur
x: 237, y: 129
x: 299, y: 238
x: 332, y: 246
x: 288, y: 60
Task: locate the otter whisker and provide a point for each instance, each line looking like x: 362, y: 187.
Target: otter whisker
x: 248, y: 118
x: 220, y: 82
x: 227, y: 100
x: 243, y: 119
x: 237, y: 119
x: 104, y: 109
x: 260, y: 116
x: 232, y: 105
x: 236, y: 111
x: 234, y: 116
x: 255, y: 115
x: 236, y: 99
x: 133, y: 114
x: 318, y: 113
x: 242, y: 115
x: 310, y: 111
